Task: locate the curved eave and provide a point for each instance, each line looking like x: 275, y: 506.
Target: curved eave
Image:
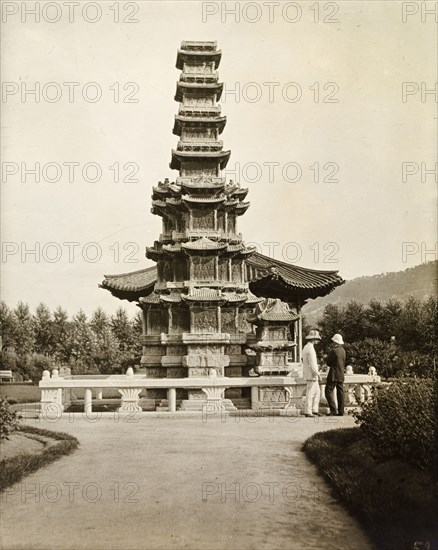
x: 307, y: 283
x: 207, y: 249
x: 202, y: 201
x: 241, y: 208
x: 130, y: 286
x: 154, y: 254
x: 277, y: 279
x: 194, y: 56
x: 203, y: 187
x: 197, y: 156
x: 187, y: 121
x: 200, y: 89
x: 241, y: 193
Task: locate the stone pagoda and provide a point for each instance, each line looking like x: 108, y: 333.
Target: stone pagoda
x: 196, y: 316
x: 212, y: 307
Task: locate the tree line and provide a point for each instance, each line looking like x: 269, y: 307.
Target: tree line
x: 397, y: 338
x: 100, y: 344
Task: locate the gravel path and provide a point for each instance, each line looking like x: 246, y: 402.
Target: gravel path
x: 164, y: 483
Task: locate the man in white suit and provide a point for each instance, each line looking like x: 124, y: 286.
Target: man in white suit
x: 311, y: 374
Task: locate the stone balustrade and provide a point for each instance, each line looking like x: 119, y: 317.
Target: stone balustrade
x: 267, y: 392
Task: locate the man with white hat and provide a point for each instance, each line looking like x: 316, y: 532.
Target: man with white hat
x: 311, y: 374
x: 335, y: 376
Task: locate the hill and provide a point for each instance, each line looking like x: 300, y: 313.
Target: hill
x: 419, y: 281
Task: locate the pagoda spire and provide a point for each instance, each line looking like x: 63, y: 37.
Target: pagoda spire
x: 199, y: 121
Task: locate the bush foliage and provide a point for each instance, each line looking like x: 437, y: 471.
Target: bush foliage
x: 8, y: 419
x: 398, y: 338
x: 400, y: 421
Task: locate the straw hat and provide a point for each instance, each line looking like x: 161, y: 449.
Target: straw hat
x: 337, y: 339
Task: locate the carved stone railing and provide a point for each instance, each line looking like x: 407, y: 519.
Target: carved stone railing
x: 267, y: 392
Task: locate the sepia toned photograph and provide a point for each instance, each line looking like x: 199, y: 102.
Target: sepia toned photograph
x: 219, y: 275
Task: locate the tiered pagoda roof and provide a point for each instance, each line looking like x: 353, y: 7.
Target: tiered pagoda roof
x: 266, y: 276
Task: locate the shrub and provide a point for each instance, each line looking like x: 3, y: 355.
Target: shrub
x: 371, y: 353
x: 8, y: 419
x: 400, y: 421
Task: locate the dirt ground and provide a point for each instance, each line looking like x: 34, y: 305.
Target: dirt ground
x: 183, y: 483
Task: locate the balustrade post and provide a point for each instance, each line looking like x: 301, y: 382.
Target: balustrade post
x: 88, y: 401
x: 60, y: 399
x: 254, y: 398
x: 130, y: 400
x: 171, y: 397
x: 215, y: 396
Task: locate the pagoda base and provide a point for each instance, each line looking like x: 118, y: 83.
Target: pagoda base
x: 207, y: 406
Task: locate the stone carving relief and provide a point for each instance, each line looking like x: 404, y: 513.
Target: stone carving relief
x: 157, y: 321
x: 244, y: 326
x: 276, y: 333
x: 181, y: 270
x: 208, y: 348
x: 233, y: 350
x: 155, y: 373
x: 167, y: 271
x: 169, y: 224
x: 275, y: 360
x: 273, y: 395
x: 196, y: 100
x: 154, y: 350
x: 223, y: 270
x: 228, y: 320
x: 205, y: 321
x: 176, y: 350
x: 233, y: 371
x: 203, y: 219
x: 231, y: 224
x: 197, y: 371
x: 236, y: 271
x: 203, y: 268
x: 199, y: 134
x: 180, y: 320
x: 175, y: 372
x: 220, y: 220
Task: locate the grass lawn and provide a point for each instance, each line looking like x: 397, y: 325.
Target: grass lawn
x: 54, y: 445
x: 394, y: 500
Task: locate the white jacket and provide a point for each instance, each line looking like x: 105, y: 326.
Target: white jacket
x: 310, y: 362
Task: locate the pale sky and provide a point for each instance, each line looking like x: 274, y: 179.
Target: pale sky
x: 365, y: 137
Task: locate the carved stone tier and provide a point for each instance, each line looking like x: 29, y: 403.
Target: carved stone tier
x: 272, y: 319
x: 195, y: 319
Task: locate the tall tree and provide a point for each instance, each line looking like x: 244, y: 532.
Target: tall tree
x: 105, y: 355
x: 123, y: 330
x: 375, y: 320
x: 24, y: 332
x: 410, y: 334
x: 393, y: 308
x: 331, y: 322
x: 7, y: 327
x: 61, y: 328
x: 82, y: 344
x: 355, y: 326
x: 43, y: 325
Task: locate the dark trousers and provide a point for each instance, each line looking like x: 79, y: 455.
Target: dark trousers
x: 329, y: 389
